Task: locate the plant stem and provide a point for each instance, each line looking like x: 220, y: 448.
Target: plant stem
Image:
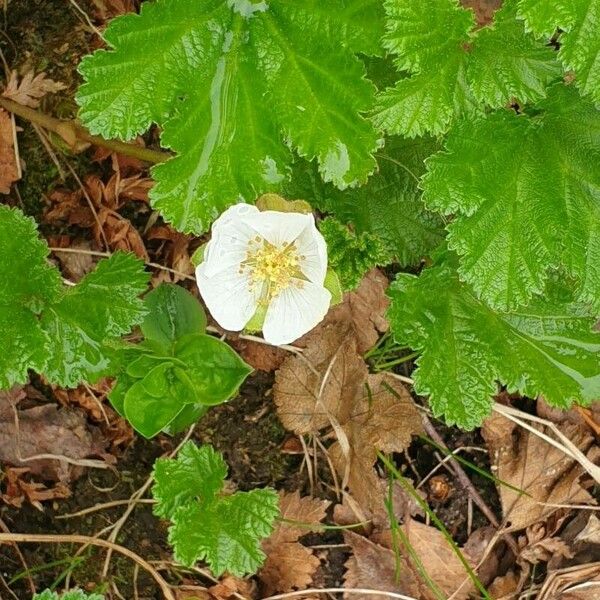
x: 398, y: 361
x: 71, y: 132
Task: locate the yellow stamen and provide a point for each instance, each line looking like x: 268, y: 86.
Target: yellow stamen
x: 272, y: 269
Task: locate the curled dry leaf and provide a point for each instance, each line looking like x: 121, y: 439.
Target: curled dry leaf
x: 9, y: 170
x: 580, y: 582
x: 19, y: 490
x: 290, y: 565
x: 46, y: 430
x: 529, y: 463
x: 31, y: 89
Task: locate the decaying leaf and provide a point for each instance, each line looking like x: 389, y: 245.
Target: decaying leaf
x: 18, y: 489
x: 437, y: 558
x: 373, y: 566
x: 384, y: 417
x: 364, y: 308
x: 9, y: 170
x: 290, y: 565
x: 260, y: 356
x: 31, y: 89
x: 45, y: 429
x: 543, y: 472
x: 321, y: 383
x: 75, y: 264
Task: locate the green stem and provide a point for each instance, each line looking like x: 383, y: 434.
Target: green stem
x: 71, y: 132
x: 398, y: 361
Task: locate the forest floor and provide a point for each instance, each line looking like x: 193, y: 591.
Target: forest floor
x: 539, y: 542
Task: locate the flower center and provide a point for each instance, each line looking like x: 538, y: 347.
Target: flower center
x: 272, y: 269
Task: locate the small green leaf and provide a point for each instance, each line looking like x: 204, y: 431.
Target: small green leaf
x: 547, y: 348
x: 153, y: 402
x: 172, y: 313
x: 351, y: 255
x: 198, y: 472
x: 215, y: 370
x: 333, y: 284
x: 70, y: 595
x: 226, y: 534
x: 225, y: 531
x: 29, y: 283
x: 188, y: 415
x: 104, y: 305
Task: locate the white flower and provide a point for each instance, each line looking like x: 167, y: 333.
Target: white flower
x: 271, y: 260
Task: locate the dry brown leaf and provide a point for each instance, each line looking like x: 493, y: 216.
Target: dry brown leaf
x: 504, y: 586
x: 384, y: 417
x: 529, y: 463
x: 31, y: 89
x: 175, y: 252
x: 74, y: 264
x: 373, y: 566
x: 260, y: 356
x: 321, y: 383
x: 484, y: 9
x: 581, y: 582
x: 233, y: 587
x: 290, y: 565
x: 364, y: 309
x: 590, y: 534
x: 438, y: 559
x: 19, y: 490
x: 46, y: 430
x: 108, y: 9
x: 9, y: 170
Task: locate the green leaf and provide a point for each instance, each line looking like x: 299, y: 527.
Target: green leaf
x: 198, y: 472
x: 451, y: 70
x: 225, y: 531
x: 70, y: 595
x: 579, y: 41
x: 388, y: 207
x: 104, y: 305
x: 172, y: 313
x: 548, y: 348
x: 215, y: 370
x: 230, y: 82
x: 351, y: 255
x: 525, y: 192
x: 151, y: 403
x: 226, y: 534
x: 29, y: 282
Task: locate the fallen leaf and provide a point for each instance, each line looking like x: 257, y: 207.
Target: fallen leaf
x: 9, y: 170
x: 590, y: 534
x: 543, y: 472
x: 321, y: 383
x: 364, y: 309
x: 174, y: 253
x: 233, y: 587
x: 18, y: 490
x: 74, y: 264
x: 504, y: 586
x: 260, y: 356
x: 438, y: 560
x: 384, y: 417
x: 290, y: 565
x: 108, y: 9
x: 46, y: 430
x: 31, y: 89
x: 581, y: 582
x: 376, y: 567
x: 484, y: 10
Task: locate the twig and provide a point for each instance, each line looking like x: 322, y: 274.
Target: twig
x: 5, y: 528
x: 104, y: 505
x: 31, y: 538
x: 71, y: 131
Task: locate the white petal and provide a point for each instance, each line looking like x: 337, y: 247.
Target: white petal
x: 311, y: 245
x: 279, y: 228
x: 295, y: 311
x: 231, y: 234
x: 228, y: 297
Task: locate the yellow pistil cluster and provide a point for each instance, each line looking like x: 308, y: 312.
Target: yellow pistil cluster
x: 271, y: 269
